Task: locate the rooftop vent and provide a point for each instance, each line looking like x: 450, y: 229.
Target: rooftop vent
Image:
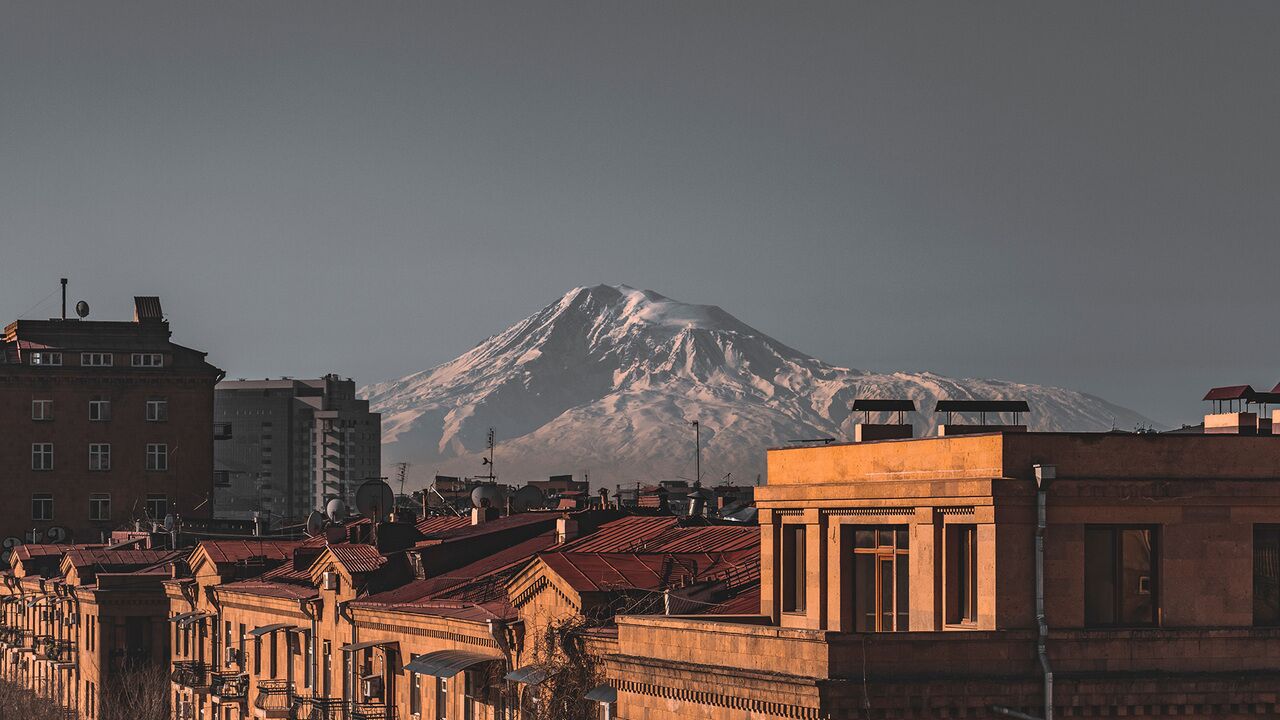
x: 981, y: 408
x: 146, y: 309
x: 896, y: 429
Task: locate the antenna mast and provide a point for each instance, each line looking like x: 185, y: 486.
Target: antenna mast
x: 489, y: 460
x: 697, y: 451
x: 402, y: 469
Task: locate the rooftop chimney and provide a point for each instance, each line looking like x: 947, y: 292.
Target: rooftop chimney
x: 146, y: 309
x: 897, y: 409
x: 566, y: 529
x: 981, y: 408
x: 481, y: 515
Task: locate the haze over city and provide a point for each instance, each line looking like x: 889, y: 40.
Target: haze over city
x: 1072, y: 195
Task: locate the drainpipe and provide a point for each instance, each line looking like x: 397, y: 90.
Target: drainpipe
x: 344, y: 610
x: 305, y: 606
x: 1044, y: 475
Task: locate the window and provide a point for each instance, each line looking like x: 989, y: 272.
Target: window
x: 793, y: 568
x: 157, y: 506
x: 308, y: 675
x: 147, y: 360
x: 42, y: 456
x: 157, y: 456
x: 46, y: 358
x: 881, y: 576
x: 42, y: 506
x: 99, y: 410
x: 471, y: 694
x: 415, y: 693
x: 41, y: 409
x: 100, y: 506
x: 962, y: 574
x: 99, y: 456
x: 157, y: 410
x: 222, y: 478
x: 257, y: 655
x: 1120, y: 583
x: 96, y: 359
x: 222, y: 431
x: 1266, y: 574
x: 442, y: 699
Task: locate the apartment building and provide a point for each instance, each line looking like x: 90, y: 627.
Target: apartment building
x: 286, y: 447
x: 104, y: 423
x: 991, y: 574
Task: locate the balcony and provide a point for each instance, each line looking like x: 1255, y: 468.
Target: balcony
x: 318, y: 708
x: 40, y: 645
x: 229, y: 686
x: 275, y: 698
x: 11, y: 636
x: 190, y: 674
x: 61, y: 651
x: 372, y: 711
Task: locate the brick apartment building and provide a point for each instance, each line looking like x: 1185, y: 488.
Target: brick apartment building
x: 103, y: 423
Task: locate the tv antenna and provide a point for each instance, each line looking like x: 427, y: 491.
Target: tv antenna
x: 488, y: 461
x: 697, y: 451
x: 402, y: 469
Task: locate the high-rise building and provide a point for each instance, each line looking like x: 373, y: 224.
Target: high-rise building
x: 285, y: 447
x: 101, y: 423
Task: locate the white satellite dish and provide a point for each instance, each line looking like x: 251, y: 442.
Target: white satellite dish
x: 315, y: 523
x: 488, y: 496
x: 374, y: 499
x: 169, y: 521
x: 336, y: 510
x: 82, y: 309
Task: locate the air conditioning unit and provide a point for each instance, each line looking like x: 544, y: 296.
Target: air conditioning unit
x: 371, y: 687
x: 233, y: 656
x: 329, y: 581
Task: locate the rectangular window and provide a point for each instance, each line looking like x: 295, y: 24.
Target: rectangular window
x: 46, y: 358
x: 308, y: 657
x: 147, y: 360
x: 99, y: 410
x: 471, y: 694
x: 793, y: 568
x: 42, y: 456
x: 1266, y: 574
x: 1120, y: 582
x: 962, y: 574
x: 96, y: 359
x: 442, y: 699
x: 41, y: 409
x: 222, y: 431
x: 157, y: 506
x: 881, y: 576
x: 42, y: 506
x: 100, y: 506
x: 157, y: 410
x: 257, y: 655
x: 99, y: 456
x: 222, y: 478
x: 415, y: 694
x: 157, y: 456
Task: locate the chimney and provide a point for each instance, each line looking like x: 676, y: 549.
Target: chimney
x: 566, y: 529
x: 481, y: 515
x: 146, y: 309
x: 897, y: 428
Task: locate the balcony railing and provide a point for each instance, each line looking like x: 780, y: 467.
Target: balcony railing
x: 190, y: 674
x: 372, y: 711
x: 229, y: 685
x: 59, y: 650
x: 318, y: 708
x: 40, y: 645
x: 275, y: 697
x: 11, y: 636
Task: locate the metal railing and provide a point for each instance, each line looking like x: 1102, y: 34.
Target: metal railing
x: 190, y: 674
x: 229, y: 685
x: 318, y: 708
x: 58, y: 650
x: 274, y: 695
x: 372, y: 711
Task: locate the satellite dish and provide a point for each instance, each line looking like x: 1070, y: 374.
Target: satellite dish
x: 169, y: 521
x: 336, y: 510
x: 57, y: 534
x: 82, y: 309
x: 527, y: 498
x: 488, y: 496
x: 315, y: 523
x: 375, y: 500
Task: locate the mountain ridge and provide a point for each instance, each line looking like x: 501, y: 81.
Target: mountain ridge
x: 608, y: 378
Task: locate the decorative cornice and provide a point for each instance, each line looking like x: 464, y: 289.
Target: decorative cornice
x: 867, y: 511
x: 744, y: 704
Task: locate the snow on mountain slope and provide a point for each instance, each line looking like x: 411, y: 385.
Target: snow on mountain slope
x: 607, y: 380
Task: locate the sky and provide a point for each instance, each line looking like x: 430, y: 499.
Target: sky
x: 1079, y: 194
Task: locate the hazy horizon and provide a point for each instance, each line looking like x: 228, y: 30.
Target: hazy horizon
x: 1071, y: 195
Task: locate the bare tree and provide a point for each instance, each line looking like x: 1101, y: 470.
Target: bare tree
x: 18, y: 702
x: 140, y: 693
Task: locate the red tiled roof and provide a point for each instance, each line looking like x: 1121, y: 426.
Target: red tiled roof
x: 26, y: 552
x: 744, y: 603
x: 116, y: 560
x: 660, y: 534
x: 605, y: 572
x: 439, y: 523
x: 1230, y: 392
x: 271, y: 589
x: 492, y: 526
x: 233, y: 551
x: 358, y: 558
x: 623, y: 534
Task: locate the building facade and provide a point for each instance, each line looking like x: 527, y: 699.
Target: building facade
x: 103, y: 423
x: 285, y: 447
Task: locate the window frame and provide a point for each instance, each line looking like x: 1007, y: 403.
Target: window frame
x: 101, y: 408
x: 1267, y: 561
x: 1117, y: 531
x: 46, y: 409
x: 98, y: 501
x: 146, y: 360
x: 156, y: 498
x: 97, y: 359
x: 45, y: 453
x: 44, y: 497
x: 46, y: 358
x: 160, y: 407
x: 794, y: 568
x: 157, y: 457
x: 962, y: 574
x: 98, y: 453
x: 897, y: 554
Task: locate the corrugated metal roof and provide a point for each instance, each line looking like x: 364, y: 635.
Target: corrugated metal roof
x: 604, y: 572
x: 271, y: 589
x: 623, y: 534
x: 109, y: 560
x: 233, y: 551
x: 441, y: 523
x: 878, y: 405
x: 147, y: 308
x: 961, y: 406
x: 358, y: 558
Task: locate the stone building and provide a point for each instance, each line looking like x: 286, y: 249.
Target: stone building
x: 905, y: 579
x: 103, y: 423
x: 285, y: 447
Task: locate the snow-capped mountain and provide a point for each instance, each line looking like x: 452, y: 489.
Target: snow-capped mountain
x: 608, y: 379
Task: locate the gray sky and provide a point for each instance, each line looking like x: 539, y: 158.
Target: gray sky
x: 1082, y: 194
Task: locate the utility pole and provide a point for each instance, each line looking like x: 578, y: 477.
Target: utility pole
x: 402, y: 469
x: 489, y: 460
